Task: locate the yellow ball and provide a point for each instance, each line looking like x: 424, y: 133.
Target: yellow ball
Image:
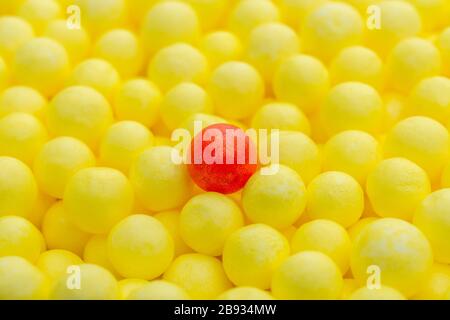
x: 159, y: 183
x: 207, y: 220
x: 20, y: 280
x: 382, y: 293
x: 122, y: 49
x: 443, y: 43
x: 169, y: 22
x: 318, y: 33
x: 252, y: 254
x: 171, y: 221
x: 127, y: 286
x: 138, y: 100
x: 60, y: 233
x: 437, y: 284
x: 308, y: 275
x: 77, y: 42
x: 353, y: 152
x: 20, y: 238
x: 396, y: 187
x: 277, y: 207
x: 352, y: 106
x: 431, y: 217
x: 22, y: 99
x: 335, y: 196
x: 21, y: 136
x: 96, y: 199
x: 434, y: 13
x: 39, y: 13
x: 398, y: 20
x: 210, y: 12
x: 140, y: 247
x: 324, y: 236
x: 431, y: 98
x: 302, y: 80
x: 404, y: 259
x: 56, y: 263
x: 410, y: 61
x: 245, y: 293
x: 220, y: 47
x: 201, y: 276
x: 14, y: 32
x: 122, y: 143
x: 294, y: 12
x: 355, y: 230
x: 359, y: 64
x: 79, y: 112
x: 96, y: 283
x: 18, y: 189
x: 237, y: 90
x: 96, y: 252
x: 182, y: 101
x: 166, y: 71
x: 159, y: 290
x: 204, y: 119
x: 422, y: 140
x: 57, y: 161
x: 269, y: 45
x: 4, y: 74
x: 98, y: 74
x: 41, y: 63
x: 137, y: 10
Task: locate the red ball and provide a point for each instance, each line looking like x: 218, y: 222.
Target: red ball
x: 222, y: 159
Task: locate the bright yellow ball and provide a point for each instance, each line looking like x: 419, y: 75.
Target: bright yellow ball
x: 245, y: 293
x: 355, y: 230
x: 422, y: 140
x: 207, y: 220
x: 41, y: 63
x: 252, y: 254
x: 96, y: 283
x: 96, y: 252
x: 396, y: 187
x: 20, y: 280
x: 382, y: 293
x: 182, y: 101
x: 220, y: 47
x: 14, y: 32
x: 324, y: 236
x: 21, y: 136
x: 138, y: 100
x: 22, y: 99
x: 55, y: 263
x: 432, y: 218
x: 60, y: 233
x: 122, y: 143
x: 443, y: 43
x: 294, y: 12
x: 302, y: 80
x: 159, y: 183
x: 437, y: 284
x: 308, y: 275
x: 159, y: 290
x: 18, y: 189
x: 169, y: 22
x: 404, y: 259
x: 127, y: 286
x: 79, y: 112
x: 122, y: 49
x: 140, y: 247
x: 39, y: 13
x: 410, y: 61
x: 201, y: 276
x: 20, y: 238
x: 335, y: 196
x: 353, y: 152
x: 96, y: 199
x: 57, y: 161
x: 277, y: 207
x: 171, y: 221
x: 210, y: 12
x: 166, y: 71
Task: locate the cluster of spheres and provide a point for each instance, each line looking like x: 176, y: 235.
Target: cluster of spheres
x: 92, y: 205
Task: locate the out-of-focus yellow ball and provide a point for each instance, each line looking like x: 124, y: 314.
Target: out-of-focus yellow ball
x: 14, y: 32
x: 159, y: 290
x: 96, y: 199
x: 252, y: 254
x: 127, y: 286
x: 404, y: 259
x: 19, y: 237
x: 39, y: 13
x: 210, y: 12
x: 21, y: 280
x: 308, y: 275
x: 443, y: 43
x: 201, y: 276
x: 171, y: 221
x: 294, y: 12
x: 140, y: 247
x: 137, y: 10
x: 22, y: 99
x: 437, y: 284
x: 245, y: 293
x: 121, y: 144
x: 18, y: 189
x: 80, y: 112
x: 4, y: 74
x: 434, y: 13
x: 382, y: 293
x: 41, y: 63
x: 57, y: 161
x: 56, y: 263
x: 421, y: 140
x: 96, y: 252
x: 220, y: 47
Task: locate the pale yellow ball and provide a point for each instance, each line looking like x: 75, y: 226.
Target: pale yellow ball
x: 434, y: 13
x: 171, y: 221
x: 55, y: 263
x: 382, y: 293
x: 220, y: 47
x: 245, y: 293
x: 159, y: 290
x: 22, y: 99
x: 294, y: 12
x: 14, y: 32
x: 437, y: 284
x: 39, y: 13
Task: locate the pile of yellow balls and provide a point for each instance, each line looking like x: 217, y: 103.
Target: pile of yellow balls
x: 93, y: 207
